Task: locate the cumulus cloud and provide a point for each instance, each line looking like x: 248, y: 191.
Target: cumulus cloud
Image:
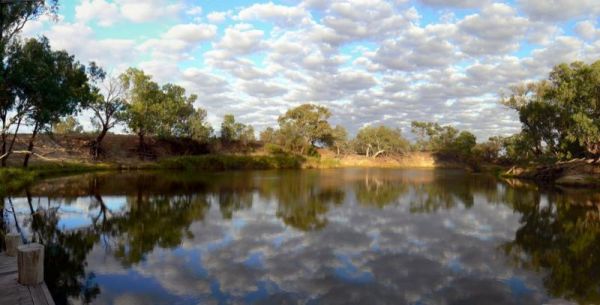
x: 552, y: 10
x: 371, y: 62
x: 280, y: 15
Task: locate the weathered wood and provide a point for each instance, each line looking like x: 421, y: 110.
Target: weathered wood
x: 30, y: 261
x: 12, y: 241
x: 12, y: 293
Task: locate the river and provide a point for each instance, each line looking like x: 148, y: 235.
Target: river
x: 340, y: 236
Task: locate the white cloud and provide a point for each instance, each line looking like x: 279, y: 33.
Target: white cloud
x: 280, y: 15
x: 495, y: 30
x: 557, y: 10
x: 106, y: 13
x: 587, y: 30
x: 370, y: 61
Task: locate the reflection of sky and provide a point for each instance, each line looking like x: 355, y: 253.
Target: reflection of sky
x: 75, y: 213
x: 364, y: 254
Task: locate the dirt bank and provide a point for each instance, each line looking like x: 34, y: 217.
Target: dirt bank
x: 577, y: 172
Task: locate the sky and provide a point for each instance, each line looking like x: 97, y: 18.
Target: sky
x: 371, y: 62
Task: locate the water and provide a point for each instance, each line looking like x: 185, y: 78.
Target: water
x: 348, y: 236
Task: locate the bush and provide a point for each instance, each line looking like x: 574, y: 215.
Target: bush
x: 229, y: 162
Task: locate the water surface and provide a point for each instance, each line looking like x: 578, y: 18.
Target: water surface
x: 347, y: 236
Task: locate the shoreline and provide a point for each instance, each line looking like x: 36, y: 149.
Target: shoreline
x: 567, y: 174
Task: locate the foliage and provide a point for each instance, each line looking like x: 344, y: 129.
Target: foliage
x: 561, y: 116
x: 60, y: 86
x: 339, y: 140
x: 236, y: 131
x: 374, y: 141
x: 229, y: 162
x: 144, y: 107
x: 108, y: 105
x: 68, y: 125
x: 304, y: 127
x: 444, y: 140
x: 163, y: 111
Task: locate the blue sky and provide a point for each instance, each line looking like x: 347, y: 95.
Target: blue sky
x: 370, y: 61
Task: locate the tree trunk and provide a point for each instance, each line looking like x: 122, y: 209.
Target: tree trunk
x: 30, y: 146
x: 96, y: 145
x: 378, y: 153
x: 142, y: 148
x: 12, y: 144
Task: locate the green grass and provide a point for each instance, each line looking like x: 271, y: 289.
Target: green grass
x: 229, y: 162
x: 13, y: 179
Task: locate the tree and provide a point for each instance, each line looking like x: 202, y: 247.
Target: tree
x: 375, y: 141
x: 48, y: 85
x: 13, y: 17
x: 68, y: 125
x: 228, y: 128
x: 561, y: 116
x: 339, y: 139
x: 143, y: 97
x: 175, y: 112
x: 269, y: 135
x: 197, y: 128
x: 235, y: 131
x: 108, y: 105
x: 305, y: 127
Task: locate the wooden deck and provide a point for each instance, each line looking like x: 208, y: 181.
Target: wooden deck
x: 11, y: 293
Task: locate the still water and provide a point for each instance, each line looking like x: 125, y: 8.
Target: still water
x: 347, y: 236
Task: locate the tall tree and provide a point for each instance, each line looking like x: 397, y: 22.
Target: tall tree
x: 306, y: 126
x: 561, y: 115
x: 50, y: 85
x: 13, y: 17
x: 108, y: 105
x: 339, y: 139
x: 143, y: 97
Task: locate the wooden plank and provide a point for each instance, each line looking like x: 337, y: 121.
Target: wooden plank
x: 49, y: 299
x: 37, y: 294
x: 15, y: 294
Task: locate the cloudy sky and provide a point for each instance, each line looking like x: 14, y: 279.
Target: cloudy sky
x: 370, y: 61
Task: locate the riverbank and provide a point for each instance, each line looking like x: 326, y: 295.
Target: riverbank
x: 574, y: 173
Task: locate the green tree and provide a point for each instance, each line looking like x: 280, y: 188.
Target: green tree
x: 49, y: 85
x: 339, y: 139
x: 375, y: 141
x: 175, y: 112
x: 446, y: 141
x: 236, y: 131
x: 68, y: 125
x: 305, y: 127
x: 13, y: 17
x: 197, y: 128
x: 144, y: 107
x: 561, y: 115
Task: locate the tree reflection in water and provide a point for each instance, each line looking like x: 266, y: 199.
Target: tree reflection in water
x: 559, y: 236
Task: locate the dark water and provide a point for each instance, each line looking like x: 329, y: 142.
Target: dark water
x: 349, y: 236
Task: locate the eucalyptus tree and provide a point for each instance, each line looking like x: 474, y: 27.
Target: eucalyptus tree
x: 236, y: 131
x: 306, y: 126
x: 14, y: 14
x: 107, y: 105
x: 560, y: 116
x: 49, y: 85
x: 143, y: 97
x: 375, y: 141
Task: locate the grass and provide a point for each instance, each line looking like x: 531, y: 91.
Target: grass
x: 13, y: 179
x: 229, y: 162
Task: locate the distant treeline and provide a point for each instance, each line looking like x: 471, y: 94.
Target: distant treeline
x: 45, y: 89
